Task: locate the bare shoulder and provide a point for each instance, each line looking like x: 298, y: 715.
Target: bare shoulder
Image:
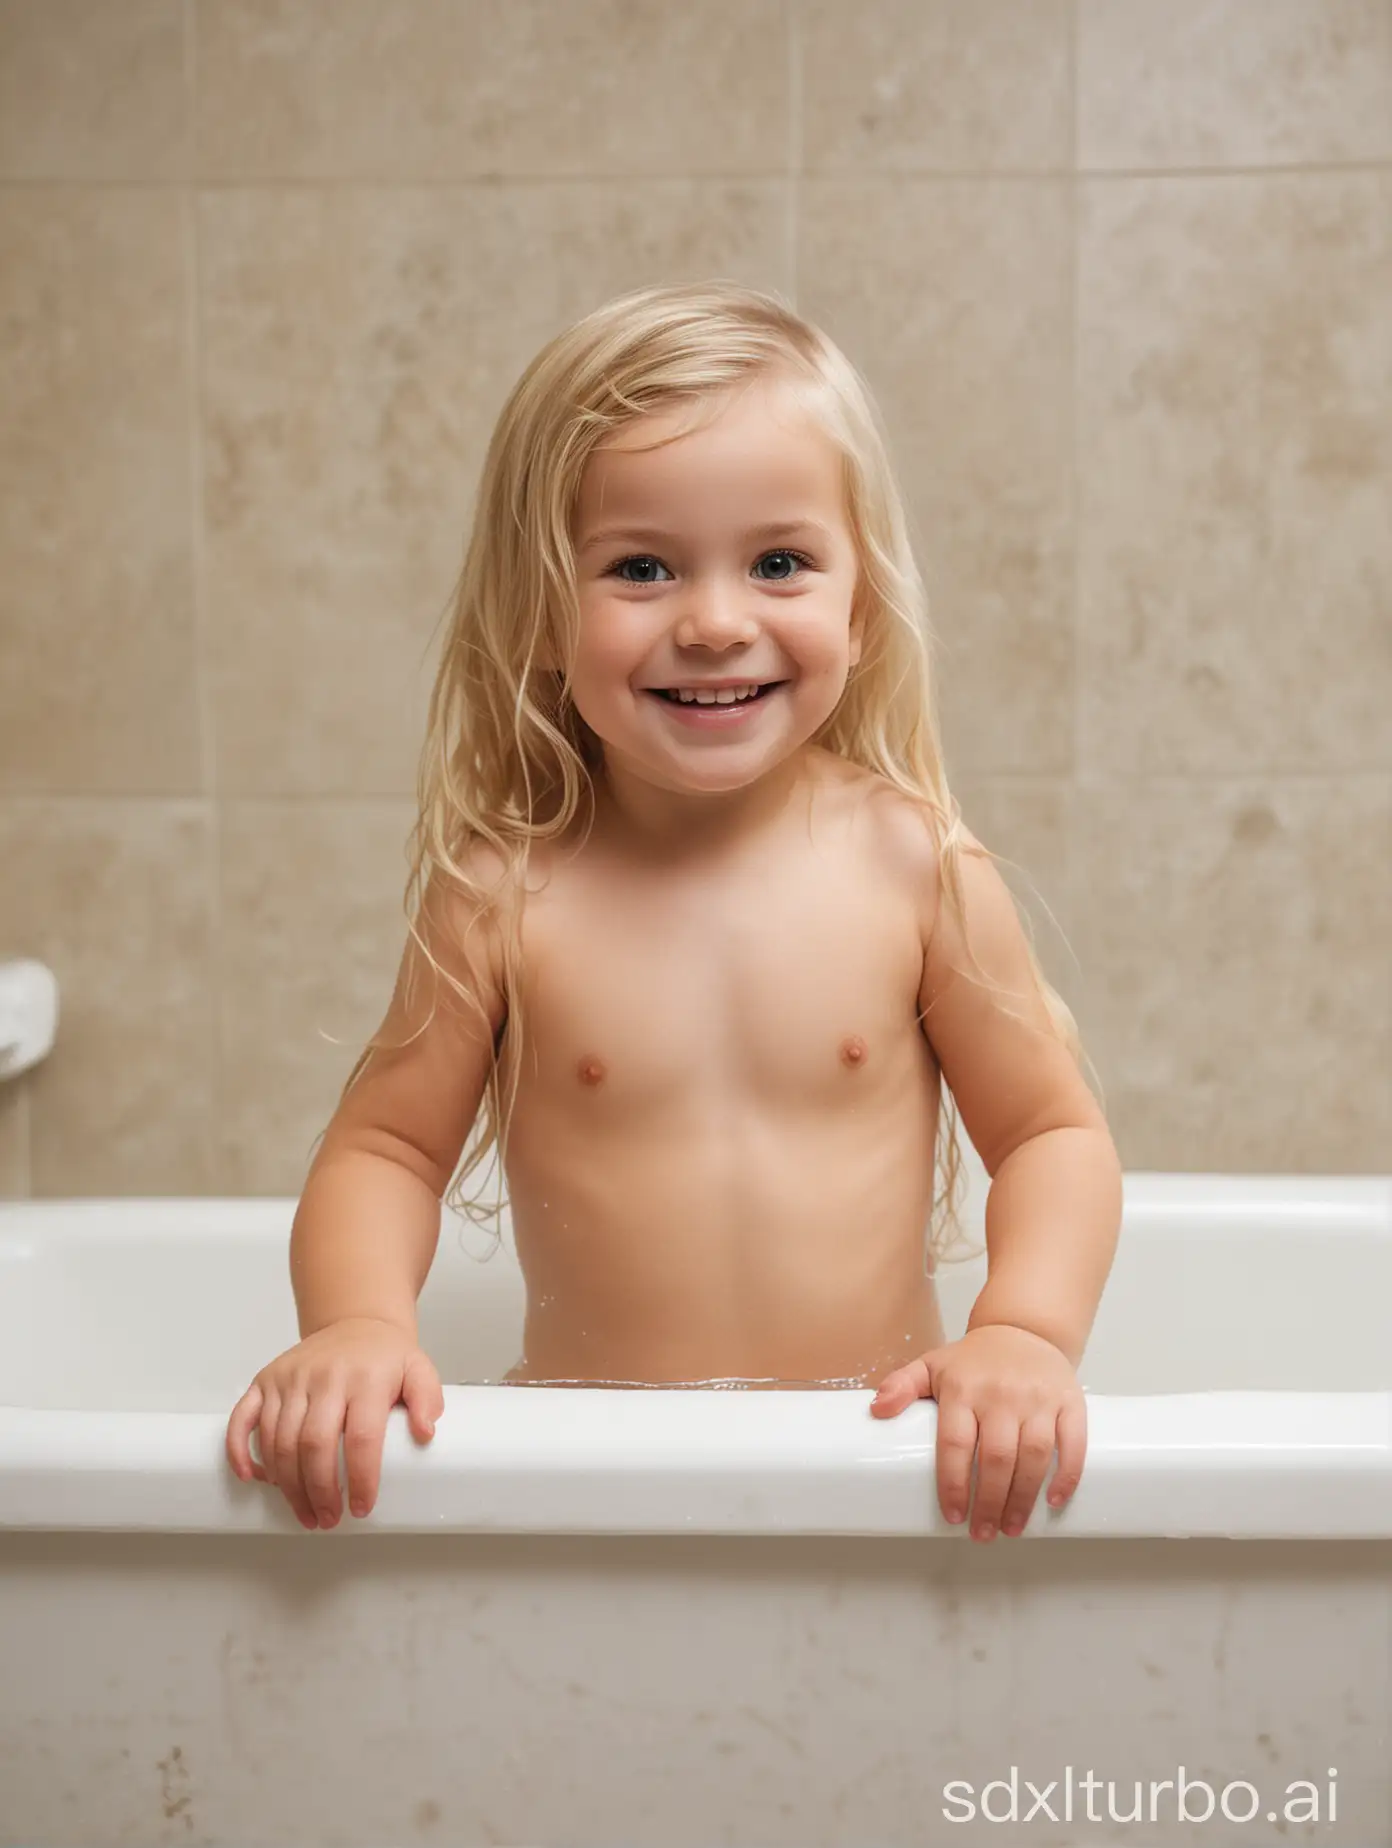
x: 914, y: 834
x: 418, y: 1092
x: 908, y: 836
x: 463, y: 924
x: 984, y: 927
x: 1009, y: 1070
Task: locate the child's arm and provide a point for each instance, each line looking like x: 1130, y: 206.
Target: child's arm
x: 1053, y: 1212
x: 365, y: 1233
x: 368, y: 1220
x: 1053, y: 1215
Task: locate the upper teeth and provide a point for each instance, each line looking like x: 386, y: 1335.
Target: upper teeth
x: 725, y: 697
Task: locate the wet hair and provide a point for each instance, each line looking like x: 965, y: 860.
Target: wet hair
x: 507, y: 758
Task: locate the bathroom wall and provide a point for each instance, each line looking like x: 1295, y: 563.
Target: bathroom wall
x: 1120, y: 273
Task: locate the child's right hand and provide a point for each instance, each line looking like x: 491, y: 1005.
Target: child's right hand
x: 343, y: 1380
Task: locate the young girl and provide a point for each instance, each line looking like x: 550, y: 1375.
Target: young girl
x: 689, y: 888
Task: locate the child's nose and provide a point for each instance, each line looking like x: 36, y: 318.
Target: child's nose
x: 717, y: 615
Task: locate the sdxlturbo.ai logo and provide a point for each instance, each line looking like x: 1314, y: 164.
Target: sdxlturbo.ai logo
x: 1179, y: 1798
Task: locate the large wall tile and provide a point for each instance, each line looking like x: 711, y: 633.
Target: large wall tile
x: 954, y: 300
x: 313, y: 931
x: 96, y: 592
x: 1097, y: 358
x: 909, y: 86
x: 114, y: 897
x: 1233, y: 83
x: 1239, y: 990
x: 463, y: 88
x: 1025, y: 821
x: 92, y: 90
x: 359, y: 345
x: 1174, y: 1630
x: 14, y: 1139
x: 1235, y: 467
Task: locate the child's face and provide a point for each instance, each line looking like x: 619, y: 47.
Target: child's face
x: 677, y: 590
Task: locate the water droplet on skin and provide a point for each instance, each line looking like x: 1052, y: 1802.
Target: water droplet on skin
x: 726, y: 1385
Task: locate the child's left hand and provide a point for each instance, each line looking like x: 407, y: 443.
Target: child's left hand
x: 1020, y: 1395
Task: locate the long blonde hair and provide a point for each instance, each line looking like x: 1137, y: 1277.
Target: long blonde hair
x: 507, y: 758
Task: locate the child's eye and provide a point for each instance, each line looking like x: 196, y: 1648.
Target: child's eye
x: 646, y: 558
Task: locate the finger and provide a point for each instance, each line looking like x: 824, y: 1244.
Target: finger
x: 956, y: 1444
x: 995, y: 1467
x: 1031, y: 1466
x: 1072, y: 1449
x: 244, y: 1415
x: 423, y: 1395
x: 319, y: 1437
x: 287, y: 1456
x: 903, y: 1386
x: 266, y: 1436
x: 364, y: 1433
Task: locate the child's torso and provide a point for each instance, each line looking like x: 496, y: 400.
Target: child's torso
x: 720, y: 1161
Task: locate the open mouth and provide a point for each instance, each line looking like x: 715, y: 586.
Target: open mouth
x: 716, y: 704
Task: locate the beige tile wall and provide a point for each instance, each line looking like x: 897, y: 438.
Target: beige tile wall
x: 1120, y: 272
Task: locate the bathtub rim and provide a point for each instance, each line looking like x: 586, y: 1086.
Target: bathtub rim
x: 1247, y: 1465
x: 1347, y: 1204
x: 1242, y: 1464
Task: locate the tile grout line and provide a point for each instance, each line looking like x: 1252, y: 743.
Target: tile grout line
x: 1076, y: 781
x: 1072, y: 784
x: 1103, y: 779
x: 490, y: 182
x: 794, y: 150
x: 24, y: 1105
x: 212, y: 868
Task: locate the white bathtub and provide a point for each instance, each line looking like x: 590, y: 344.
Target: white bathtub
x: 696, y: 1617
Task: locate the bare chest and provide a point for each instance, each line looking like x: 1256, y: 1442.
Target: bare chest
x: 653, y: 1000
